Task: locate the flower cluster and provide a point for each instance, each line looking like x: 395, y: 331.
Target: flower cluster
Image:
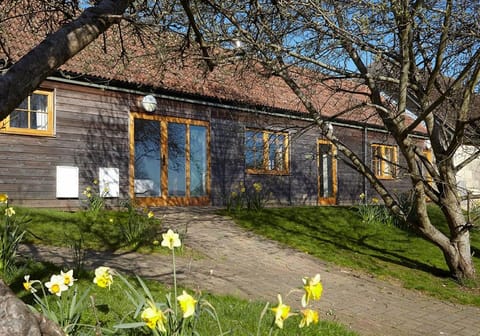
x: 58, y: 283
x: 372, y: 212
x: 313, y: 289
x: 9, y: 211
x: 157, y: 317
x: 103, y: 277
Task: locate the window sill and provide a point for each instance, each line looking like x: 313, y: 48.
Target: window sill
x: 267, y: 172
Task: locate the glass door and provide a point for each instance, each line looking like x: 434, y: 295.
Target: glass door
x: 327, y: 173
x: 169, y: 161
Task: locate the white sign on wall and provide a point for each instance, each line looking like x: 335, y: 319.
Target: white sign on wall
x: 67, y: 182
x: 109, y: 182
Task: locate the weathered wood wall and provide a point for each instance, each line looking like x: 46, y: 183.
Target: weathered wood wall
x: 92, y: 132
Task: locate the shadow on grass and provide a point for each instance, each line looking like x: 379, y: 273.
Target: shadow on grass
x: 297, y: 228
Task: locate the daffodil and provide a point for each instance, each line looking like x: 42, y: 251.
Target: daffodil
x: 308, y: 316
x: 103, y: 277
x: 68, y: 278
x: 313, y: 289
x: 150, y: 214
x: 282, y: 312
x: 110, y: 220
x: 28, y: 284
x: 257, y: 186
x: 9, y: 212
x: 362, y: 196
x: 3, y: 198
x: 375, y: 200
x: 56, y: 285
x: 187, y: 304
x: 154, y: 317
x: 171, y: 240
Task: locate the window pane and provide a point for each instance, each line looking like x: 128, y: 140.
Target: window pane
x: 147, y: 158
x: 19, y: 119
x: 254, y: 150
x: 377, y: 160
x: 388, y: 156
x: 176, y: 159
x: 38, y: 120
x: 276, y: 152
x: 38, y: 103
x: 325, y: 170
x: 198, y: 160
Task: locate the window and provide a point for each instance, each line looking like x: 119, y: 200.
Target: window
x: 33, y: 116
x: 266, y: 152
x: 425, y: 173
x: 384, y: 160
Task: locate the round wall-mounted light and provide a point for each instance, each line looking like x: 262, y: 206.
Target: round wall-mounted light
x: 149, y: 103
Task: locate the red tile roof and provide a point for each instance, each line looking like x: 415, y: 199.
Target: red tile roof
x: 150, y: 59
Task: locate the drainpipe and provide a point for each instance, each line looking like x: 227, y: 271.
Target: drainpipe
x: 365, y: 158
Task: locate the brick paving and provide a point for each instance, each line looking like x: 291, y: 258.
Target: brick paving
x: 230, y: 260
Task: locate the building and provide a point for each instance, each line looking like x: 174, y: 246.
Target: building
x: 171, y: 133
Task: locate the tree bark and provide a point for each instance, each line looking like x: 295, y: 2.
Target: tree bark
x: 33, y: 68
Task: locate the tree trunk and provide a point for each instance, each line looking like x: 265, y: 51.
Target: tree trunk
x: 459, y: 259
x: 455, y: 247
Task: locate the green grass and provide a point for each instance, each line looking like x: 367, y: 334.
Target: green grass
x: 50, y: 227
x: 237, y: 316
x: 100, y: 232
x: 337, y: 235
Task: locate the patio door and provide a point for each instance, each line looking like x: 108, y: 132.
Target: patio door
x: 169, y: 161
x: 327, y: 173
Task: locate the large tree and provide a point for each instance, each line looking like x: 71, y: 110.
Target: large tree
x: 416, y: 63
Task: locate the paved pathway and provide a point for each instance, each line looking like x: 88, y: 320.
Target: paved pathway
x: 234, y: 261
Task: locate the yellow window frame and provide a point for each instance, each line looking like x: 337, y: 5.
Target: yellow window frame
x: 384, y: 167
x: 266, y: 141
x: 49, y: 131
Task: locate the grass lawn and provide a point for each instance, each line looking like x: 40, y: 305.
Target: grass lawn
x: 103, y: 231
x: 337, y: 234
x: 237, y: 316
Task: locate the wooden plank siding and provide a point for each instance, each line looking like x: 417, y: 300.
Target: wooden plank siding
x: 92, y: 131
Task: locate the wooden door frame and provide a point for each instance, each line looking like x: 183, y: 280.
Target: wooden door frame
x: 327, y: 200
x: 164, y: 199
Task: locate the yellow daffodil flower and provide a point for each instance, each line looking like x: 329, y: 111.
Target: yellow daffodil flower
x: 56, y: 285
x: 375, y: 200
x: 103, y: 277
x: 187, y: 304
x: 313, y: 289
x: 308, y: 316
x: 257, y: 186
x: 3, y: 198
x: 154, y: 318
x: 171, y: 240
x: 282, y: 312
x: 9, y: 212
x: 28, y: 284
x: 362, y: 196
x: 68, y: 278
x: 110, y: 220
x: 150, y: 214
